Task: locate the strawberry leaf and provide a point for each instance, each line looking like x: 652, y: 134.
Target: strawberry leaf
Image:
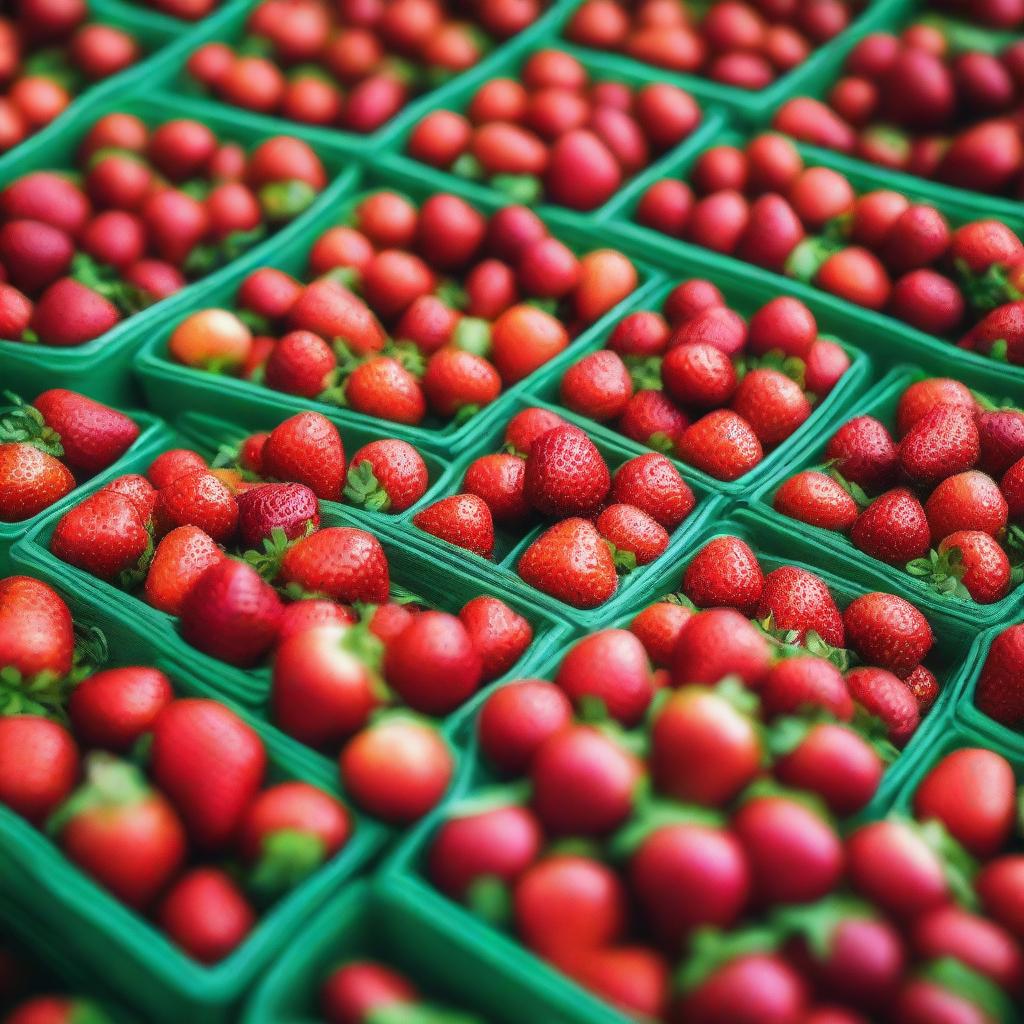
x: 658, y: 814
x: 24, y: 424
x: 959, y: 866
x: 816, y: 923
x: 407, y: 354
x: 711, y: 949
x: 266, y: 560
x: 288, y: 856
x: 364, y: 490
x: 956, y: 977
x: 285, y: 200
x: 943, y: 573
x: 490, y: 899
x: 467, y: 166
x: 452, y: 294
x: 625, y: 561
x: 645, y: 372
x: 492, y: 798
x: 523, y: 189
x: 855, y: 491
x: 465, y: 413
x: 661, y: 442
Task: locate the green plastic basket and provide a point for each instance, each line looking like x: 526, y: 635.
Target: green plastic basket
x: 744, y: 298
x: 101, y: 367
x: 887, y: 340
x: 110, y: 941
x: 510, y: 545
x: 881, y: 403
x: 170, y: 386
x: 153, y: 437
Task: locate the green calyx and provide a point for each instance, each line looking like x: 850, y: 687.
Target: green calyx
x: 523, y: 189
x: 988, y: 289
x: 625, y: 561
x: 106, y: 281
x: 203, y: 259
x: 654, y: 816
x: 267, y: 559
x: 452, y: 294
x: 408, y: 354
x: 467, y: 166
x: 132, y: 577
x: 943, y: 573
x: 855, y: 491
x: 44, y: 694
x: 24, y: 424
x: 109, y: 782
x: 816, y: 923
x: 363, y: 490
x: 418, y: 1013
x: 285, y: 200
x: 711, y: 949
x: 789, y: 366
x: 808, y: 257
x: 959, y: 866
x: 957, y: 978
x: 287, y: 858
x: 645, y: 372
x: 489, y: 898
x: 473, y: 334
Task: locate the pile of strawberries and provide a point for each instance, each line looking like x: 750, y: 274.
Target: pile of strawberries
x: 553, y: 133
x: 879, y: 250
x: 49, y: 447
x: 605, y: 523
x: 747, y: 45
x: 411, y: 313
x: 1000, y: 689
x: 352, y: 64
x: 940, y: 493
x: 200, y: 840
x: 48, y: 53
x: 151, y: 209
x: 924, y: 103
x: 700, y: 381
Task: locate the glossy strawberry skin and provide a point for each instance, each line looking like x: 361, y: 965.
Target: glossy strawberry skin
x: 722, y: 444
x: 653, y: 484
x: 888, y: 631
x: 93, y: 435
x: 461, y: 519
x: 341, y: 563
x: 384, y: 388
x: 632, y: 530
x: 103, y: 535
x: 815, y: 498
x: 967, y: 501
x: 598, y: 386
x: 1002, y: 440
x: 864, y: 453
x: 36, y: 630
x: 399, y: 469
x: 886, y: 696
x: 499, y: 479
x: 307, y: 449
x: 923, y: 396
x: 30, y: 481
x: 138, y: 489
x: 772, y: 404
x: 500, y: 634
x: 287, y: 507
x: 565, y: 474
x: 725, y: 573
x: 798, y: 600
x: 985, y: 569
x: 942, y: 443
x: 571, y: 562
x: 180, y: 559
x: 893, y: 528
x: 1000, y: 689
x: 198, y: 499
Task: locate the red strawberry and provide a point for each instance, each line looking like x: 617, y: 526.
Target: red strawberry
x: 722, y: 444
x: 39, y: 762
x: 924, y: 686
x: 69, y: 314
x: 206, y: 914
x: 796, y: 599
x: 772, y: 404
x: 181, y: 557
x: 943, y: 442
x: 967, y: 501
x: 341, y: 563
x: 893, y: 528
x: 384, y: 388
x: 772, y: 233
x: 653, y: 420
x: 699, y: 375
x: 527, y: 425
x: 36, y: 631
x: 981, y: 566
x: 1012, y: 486
x: 864, y: 452
x: 719, y: 643
x: 598, y: 386
x: 30, y: 480
x: 888, y: 631
x: 112, y: 709
x: 653, y: 485
x: 327, y: 308
x: 923, y: 396
x: 1002, y: 440
x: 499, y: 479
x: 198, y: 499
x: 463, y: 520
x: 122, y: 832
x: 1000, y: 690
x: 359, y: 990
x: 386, y: 476
x: 725, y: 573
x: 231, y: 613
x: 311, y: 613
x: 887, y: 697
x: 610, y: 666
x: 93, y: 435
x: 170, y: 465
x: 658, y: 627
x: 797, y: 684
x: 718, y: 326
x: 499, y: 634
x: 632, y: 532
x: 138, y: 489
x: 307, y: 449
x: 288, y: 507
x: 565, y: 474
x: 815, y: 498
x: 300, y: 363
x: 104, y: 535
x: 516, y: 719
x: 210, y: 764
x: 456, y: 380
x: 571, y: 562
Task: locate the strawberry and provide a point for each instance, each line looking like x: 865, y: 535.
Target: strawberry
x: 170, y: 465
x: 527, y: 425
x: 598, y: 386
x: 300, y: 363
x: 721, y: 444
x: 610, y: 666
x: 923, y: 396
x: 893, y: 528
x: 717, y: 326
x: 291, y: 508
x: 652, y: 484
x: 112, y: 709
x: 888, y: 631
x: 699, y: 375
x: 30, y: 481
x: 772, y: 404
x: 565, y: 474
x: 1000, y: 689
x: 463, y: 520
x: 658, y: 627
x: 499, y: 479
x: 458, y: 382
x: 976, y: 560
x: 651, y: 419
x: 795, y: 599
x: 387, y: 475
x: 636, y: 536
x: 39, y: 762
x: 1002, y: 440
x: 725, y: 573
x: 104, y: 535
x: 341, y: 563
x: 206, y: 914
x: 359, y: 990
x: 887, y: 697
x: 864, y: 452
x: 384, y: 388
x: 966, y: 501
x: 499, y: 634
x: 231, y: 613
x: 138, y: 489
x: 307, y: 449
x: 1012, y: 486
x: 311, y: 613
x: 120, y: 831
x: 327, y: 308
x: 93, y: 435
x: 250, y: 452
x: 815, y: 498
x: 717, y: 643
x: 180, y: 559
x: 36, y: 630
x: 924, y: 686
x: 801, y: 683
x: 941, y: 443
x: 198, y: 499
x: 572, y: 563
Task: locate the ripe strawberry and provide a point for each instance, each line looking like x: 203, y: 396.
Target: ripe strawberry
x: 30, y: 480
x: 181, y: 557
x: 40, y: 766
x: 653, y: 420
x: 93, y: 435
x: 977, y: 561
x: 942, y: 442
x: 456, y: 380
x: 311, y: 613
x: 893, y: 528
x: 382, y: 387
x: 527, y: 425
x: 341, y: 563
x: 598, y: 386
x: 572, y: 563
x: 1000, y: 690
x: 112, y: 709
x: 658, y: 627
x: 772, y: 404
x: 138, y: 489
x: 924, y: 686
x: 565, y: 474
x: 1012, y: 486
x: 300, y: 363
x: 652, y: 484
x: 721, y: 444
x: 307, y: 449
x: 198, y: 499
x: 463, y: 520
x: 815, y: 498
x: 718, y: 643
x: 267, y: 507
x: 387, y: 475
x: 967, y: 501
x: 610, y: 666
x: 864, y: 452
x: 516, y: 719
x: 170, y: 465
x: 923, y: 396
x: 725, y: 573
x: 499, y: 634
x: 796, y: 599
x: 206, y: 914
x: 104, y: 535
x: 231, y: 613
x: 699, y: 375
x: 499, y: 479
x: 636, y: 536
x: 359, y: 990
x: 888, y: 631
x: 887, y: 697
x: 1002, y: 440
x: 36, y: 630
x: 800, y: 683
